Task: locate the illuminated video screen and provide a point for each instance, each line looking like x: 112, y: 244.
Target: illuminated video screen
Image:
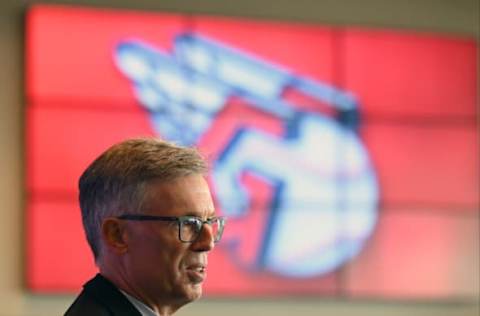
x: 344, y: 158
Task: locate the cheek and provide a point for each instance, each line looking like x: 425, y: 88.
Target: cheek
x: 159, y: 251
x: 146, y: 248
x: 165, y: 255
x: 178, y: 259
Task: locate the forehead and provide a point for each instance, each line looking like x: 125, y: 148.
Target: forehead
x: 188, y: 195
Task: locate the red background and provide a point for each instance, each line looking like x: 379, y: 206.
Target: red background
x: 417, y: 97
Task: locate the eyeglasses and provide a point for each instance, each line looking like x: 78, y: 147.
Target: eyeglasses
x: 189, y: 227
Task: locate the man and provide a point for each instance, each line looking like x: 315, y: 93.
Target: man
x: 149, y: 219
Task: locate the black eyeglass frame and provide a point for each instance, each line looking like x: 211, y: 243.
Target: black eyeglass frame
x: 180, y: 220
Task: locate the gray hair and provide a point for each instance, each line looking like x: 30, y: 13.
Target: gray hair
x: 115, y: 182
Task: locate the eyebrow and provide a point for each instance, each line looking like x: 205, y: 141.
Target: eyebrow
x: 209, y: 215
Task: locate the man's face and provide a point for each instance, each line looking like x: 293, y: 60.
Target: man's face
x: 157, y: 263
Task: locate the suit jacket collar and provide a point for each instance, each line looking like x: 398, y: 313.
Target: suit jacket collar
x: 108, y: 295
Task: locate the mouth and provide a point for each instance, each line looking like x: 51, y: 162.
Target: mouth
x: 196, y: 273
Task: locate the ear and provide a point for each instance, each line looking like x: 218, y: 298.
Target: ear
x: 114, y: 235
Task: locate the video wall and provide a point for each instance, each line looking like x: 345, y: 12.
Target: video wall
x: 345, y: 158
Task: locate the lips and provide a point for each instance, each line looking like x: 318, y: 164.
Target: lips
x: 196, y: 273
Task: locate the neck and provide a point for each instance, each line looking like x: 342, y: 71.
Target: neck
x: 122, y: 282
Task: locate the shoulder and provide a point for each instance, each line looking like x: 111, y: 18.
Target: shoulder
x: 86, y: 305
x: 100, y: 297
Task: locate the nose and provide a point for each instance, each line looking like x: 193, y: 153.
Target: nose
x: 206, y: 239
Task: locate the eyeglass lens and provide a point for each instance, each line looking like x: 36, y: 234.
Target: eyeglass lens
x: 190, y: 228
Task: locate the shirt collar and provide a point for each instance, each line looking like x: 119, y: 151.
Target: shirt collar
x: 142, y: 307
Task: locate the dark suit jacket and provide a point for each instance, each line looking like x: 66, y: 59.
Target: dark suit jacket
x: 101, y: 298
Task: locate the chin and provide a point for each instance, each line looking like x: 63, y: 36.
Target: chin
x: 194, y: 292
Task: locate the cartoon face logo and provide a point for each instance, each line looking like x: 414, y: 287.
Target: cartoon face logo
x: 323, y: 205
